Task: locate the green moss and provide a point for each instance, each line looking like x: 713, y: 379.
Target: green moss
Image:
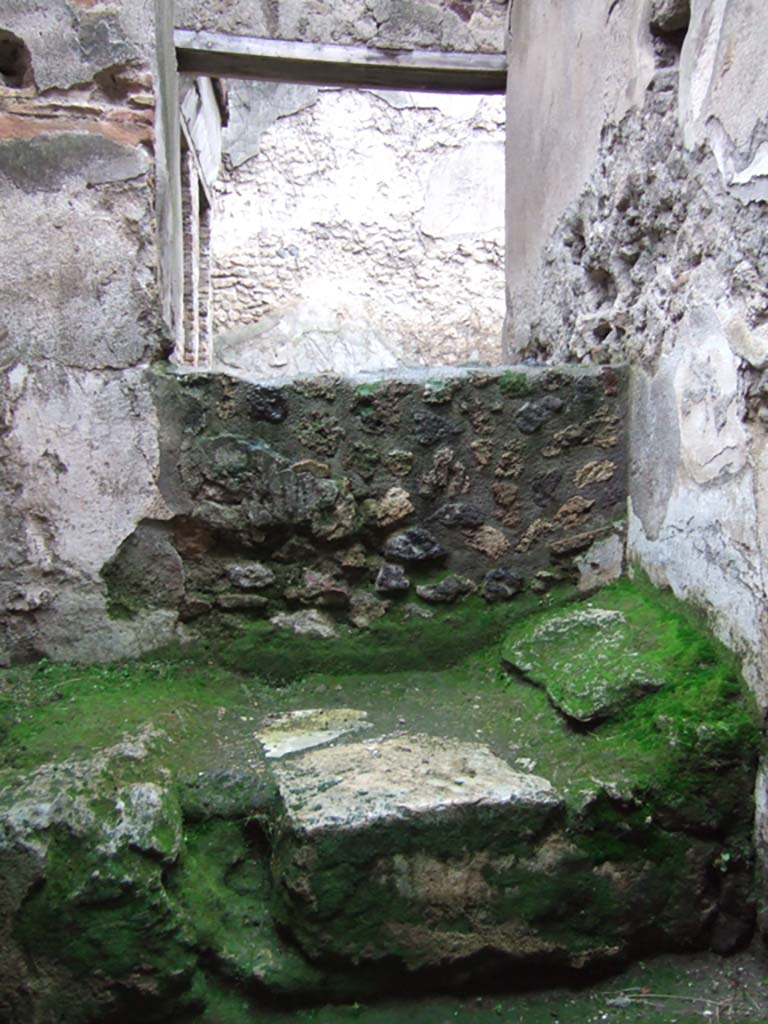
x: 365, y: 391
x: 222, y: 887
x: 107, y: 913
x: 391, y: 644
x: 516, y: 384
x: 657, y: 792
x: 441, y: 390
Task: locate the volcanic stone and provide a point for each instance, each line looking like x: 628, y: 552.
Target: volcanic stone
x: 267, y: 404
x: 533, y: 415
x: 432, y: 429
x: 447, y: 591
x: 458, y: 513
x: 391, y: 578
x: 501, y: 585
x: 416, y: 545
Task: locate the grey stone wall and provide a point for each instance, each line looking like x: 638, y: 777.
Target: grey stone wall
x: 343, y: 498
x: 458, y: 25
x: 637, y: 231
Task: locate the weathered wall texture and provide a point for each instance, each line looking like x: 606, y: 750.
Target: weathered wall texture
x: 366, y: 231
x: 653, y: 247
x: 80, y: 320
x: 458, y: 25
x: 325, y: 495
x: 82, y: 313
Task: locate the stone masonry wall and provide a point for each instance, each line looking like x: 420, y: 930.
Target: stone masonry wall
x: 444, y: 25
x: 650, y: 246
x: 359, y: 231
x: 323, y: 500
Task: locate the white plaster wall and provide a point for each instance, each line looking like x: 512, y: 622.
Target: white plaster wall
x: 366, y: 231
x: 79, y: 456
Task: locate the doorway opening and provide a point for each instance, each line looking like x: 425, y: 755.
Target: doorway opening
x: 336, y: 222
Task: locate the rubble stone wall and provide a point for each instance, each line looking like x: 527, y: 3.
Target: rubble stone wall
x: 87, y: 162
x: 340, y: 498
x: 637, y: 227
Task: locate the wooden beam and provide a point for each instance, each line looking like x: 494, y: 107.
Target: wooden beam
x: 276, y: 60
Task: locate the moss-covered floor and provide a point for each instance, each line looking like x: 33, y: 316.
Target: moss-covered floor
x: 677, y: 763
x: 697, y: 987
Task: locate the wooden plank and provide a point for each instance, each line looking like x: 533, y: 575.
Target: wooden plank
x: 277, y: 60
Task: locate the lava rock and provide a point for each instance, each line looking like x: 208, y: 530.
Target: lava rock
x: 501, y: 585
x: 544, y: 487
x: 459, y: 514
x: 391, y: 579
x: 533, y: 415
x: 266, y: 404
x: 447, y: 591
x: 432, y: 429
x: 250, y: 575
x: 415, y: 545
x: 320, y: 588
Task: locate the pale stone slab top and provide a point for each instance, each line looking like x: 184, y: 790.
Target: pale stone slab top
x: 399, y: 777
x: 294, y: 731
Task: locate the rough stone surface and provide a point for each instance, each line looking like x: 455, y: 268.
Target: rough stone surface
x: 447, y: 591
x: 648, y: 246
x: 395, y: 505
x: 393, y: 779
x: 501, y: 585
x: 590, y: 660
x: 416, y: 545
x: 392, y: 578
x: 78, y: 432
x: 309, y: 623
x: 119, y: 812
x: 290, y: 858
x: 250, y: 575
x: 601, y: 564
x: 271, y: 512
x: 343, y: 253
x: 295, y: 731
x: 365, y: 609
x: 670, y: 15
x: 389, y: 24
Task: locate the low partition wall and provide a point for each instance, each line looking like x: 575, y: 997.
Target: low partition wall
x: 321, y: 501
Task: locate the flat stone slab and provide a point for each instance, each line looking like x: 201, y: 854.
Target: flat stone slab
x: 401, y: 847
x: 294, y: 731
x: 590, y: 660
x: 401, y: 777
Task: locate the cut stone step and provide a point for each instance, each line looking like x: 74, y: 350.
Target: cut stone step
x: 402, y: 847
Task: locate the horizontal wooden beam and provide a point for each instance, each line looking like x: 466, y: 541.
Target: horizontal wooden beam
x: 276, y: 60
